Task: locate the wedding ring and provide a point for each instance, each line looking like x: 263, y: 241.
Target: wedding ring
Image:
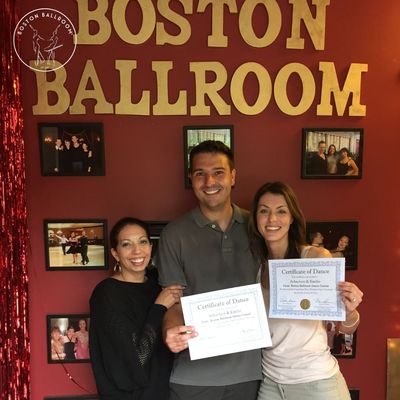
x: 353, y: 299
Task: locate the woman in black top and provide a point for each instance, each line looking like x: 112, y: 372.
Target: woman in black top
x: 128, y: 356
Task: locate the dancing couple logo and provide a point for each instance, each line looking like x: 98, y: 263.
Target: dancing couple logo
x: 44, y: 39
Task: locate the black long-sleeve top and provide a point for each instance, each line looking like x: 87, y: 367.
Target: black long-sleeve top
x: 129, y: 359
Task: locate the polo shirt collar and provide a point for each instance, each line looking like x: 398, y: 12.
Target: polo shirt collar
x: 202, y: 221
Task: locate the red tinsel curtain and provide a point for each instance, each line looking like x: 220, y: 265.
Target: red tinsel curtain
x: 14, y: 340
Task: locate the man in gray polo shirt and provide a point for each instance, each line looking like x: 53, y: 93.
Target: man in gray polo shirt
x: 204, y: 250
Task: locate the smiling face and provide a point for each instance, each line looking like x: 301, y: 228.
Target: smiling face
x: 212, y: 180
x: 343, y: 243
x: 332, y: 149
x: 133, y: 250
x: 274, y: 219
x: 82, y: 325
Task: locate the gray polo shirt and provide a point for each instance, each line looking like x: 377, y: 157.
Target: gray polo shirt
x: 196, y: 253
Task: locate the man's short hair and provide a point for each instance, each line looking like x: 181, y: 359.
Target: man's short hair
x: 212, y: 146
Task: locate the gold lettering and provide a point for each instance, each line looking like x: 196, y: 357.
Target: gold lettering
x: 330, y: 85
x: 102, y: 105
x: 264, y: 88
x: 148, y: 21
x: 209, y: 89
x: 315, y: 26
x: 163, y: 106
x: 125, y: 105
x: 274, y: 22
x: 45, y: 87
x: 217, y: 37
x: 85, y: 16
x: 162, y: 36
x: 280, y: 89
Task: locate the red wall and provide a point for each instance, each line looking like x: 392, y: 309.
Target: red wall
x: 144, y: 167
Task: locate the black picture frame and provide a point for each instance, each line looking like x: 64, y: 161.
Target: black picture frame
x: 67, y: 341
x: 84, y: 159
x: 342, y: 345
x: 354, y: 394
x: 155, y: 228
x: 313, y: 166
x: 84, y: 397
x: 66, y: 248
x: 195, y: 134
x: 339, y: 237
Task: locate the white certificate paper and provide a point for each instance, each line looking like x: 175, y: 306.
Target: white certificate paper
x: 306, y: 288
x: 227, y: 321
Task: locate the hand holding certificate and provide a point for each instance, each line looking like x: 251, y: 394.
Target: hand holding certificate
x: 306, y: 288
x: 227, y: 321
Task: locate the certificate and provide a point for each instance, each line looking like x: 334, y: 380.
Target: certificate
x: 227, y: 321
x: 306, y: 288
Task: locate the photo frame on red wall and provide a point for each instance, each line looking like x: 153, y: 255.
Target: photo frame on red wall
x: 355, y: 394
x: 71, y: 149
x: 341, y: 345
x: 68, y: 338
x: 84, y: 397
x: 75, y: 244
x: 155, y: 228
x: 193, y: 135
x: 332, y: 153
x: 339, y: 237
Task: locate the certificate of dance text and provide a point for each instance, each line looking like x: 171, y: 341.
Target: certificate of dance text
x: 227, y: 321
x: 306, y: 288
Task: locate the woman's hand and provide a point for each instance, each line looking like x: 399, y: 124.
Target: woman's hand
x: 169, y: 296
x: 351, y: 296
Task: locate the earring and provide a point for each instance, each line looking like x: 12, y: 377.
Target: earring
x: 117, y: 267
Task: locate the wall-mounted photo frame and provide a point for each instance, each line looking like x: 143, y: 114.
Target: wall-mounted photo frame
x: 355, y: 394
x: 155, y: 228
x: 339, y: 237
x: 71, y: 149
x: 193, y: 135
x: 75, y: 244
x: 342, y: 345
x: 84, y: 397
x: 332, y: 153
x: 68, y: 338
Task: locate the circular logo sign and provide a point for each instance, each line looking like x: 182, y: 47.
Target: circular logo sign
x: 46, y: 39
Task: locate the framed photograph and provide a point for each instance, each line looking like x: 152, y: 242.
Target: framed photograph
x: 155, y: 228
x: 342, y: 345
x: 68, y: 338
x: 84, y: 397
x: 332, y: 153
x: 79, y: 244
x: 71, y: 149
x: 339, y: 237
x: 355, y: 394
x: 193, y: 135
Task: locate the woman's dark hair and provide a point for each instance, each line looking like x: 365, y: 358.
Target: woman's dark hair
x: 297, y: 230
x: 329, y: 148
x: 211, y: 146
x: 121, y: 224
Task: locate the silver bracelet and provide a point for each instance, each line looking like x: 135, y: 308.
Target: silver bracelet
x: 354, y: 323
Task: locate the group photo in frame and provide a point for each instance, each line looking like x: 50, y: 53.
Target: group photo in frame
x: 79, y: 244
x: 342, y: 345
x: 71, y: 149
x: 155, y: 228
x: 332, y: 153
x: 193, y: 135
x: 68, y: 338
x: 339, y: 237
